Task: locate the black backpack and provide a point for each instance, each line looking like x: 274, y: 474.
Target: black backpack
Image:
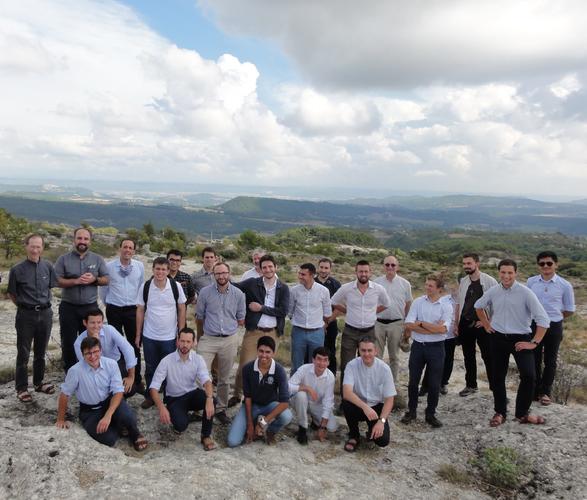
x: 147, y: 286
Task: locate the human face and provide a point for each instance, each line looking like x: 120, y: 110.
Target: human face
x: 507, y: 275
x: 93, y: 325
x: 305, y: 277
x: 324, y: 269
x: 390, y: 266
x: 256, y: 259
x: 363, y: 274
x: 209, y: 259
x: 34, y: 249
x: 265, y: 354
x: 268, y: 269
x: 470, y: 266
x: 92, y: 356
x: 367, y: 351
x: 547, y: 267
x: 320, y: 364
x: 160, y: 272
x: 185, y: 343
x: 127, y: 250
x: 431, y: 288
x: 221, y: 275
x: 174, y: 262
x: 82, y: 240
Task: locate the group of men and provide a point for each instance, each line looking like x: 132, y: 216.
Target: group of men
x: 103, y: 361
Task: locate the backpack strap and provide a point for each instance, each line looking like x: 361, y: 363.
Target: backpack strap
x: 146, y: 291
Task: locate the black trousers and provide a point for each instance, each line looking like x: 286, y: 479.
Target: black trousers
x: 330, y: 343
x: 431, y: 356
x: 180, y: 406
x: 469, y: 338
x: 353, y: 415
x: 71, y: 318
x: 547, y: 351
x: 502, y: 346
x: 90, y: 415
x: 124, y: 319
x: 32, y: 328
x: 449, y: 358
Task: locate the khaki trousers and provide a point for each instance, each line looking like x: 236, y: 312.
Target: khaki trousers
x: 390, y: 335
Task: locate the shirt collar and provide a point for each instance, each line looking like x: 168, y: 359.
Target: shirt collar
x: 177, y: 357
x: 435, y: 302
x: 271, y: 368
x: 514, y: 285
x: 87, y: 366
x: 370, y: 283
x: 554, y: 279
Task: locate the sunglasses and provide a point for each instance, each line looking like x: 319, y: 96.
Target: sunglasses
x: 548, y: 263
x: 388, y: 264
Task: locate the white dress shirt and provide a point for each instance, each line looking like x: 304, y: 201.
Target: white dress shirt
x: 361, y: 308
x: 181, y: 376
x: 323, y: 385
x: 309, y: 307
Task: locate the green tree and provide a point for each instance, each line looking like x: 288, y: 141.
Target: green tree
x: 12, y: 232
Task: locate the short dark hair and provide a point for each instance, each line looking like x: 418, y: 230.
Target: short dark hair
x: 134, y: 243
x: 93, y: 312
x: 310, y: 267
x: 471, y: 255
x: 266, y: 258
x: 507, y: 262
x: 187, y: 329
x: 208, y: 250
x: 321, y: 351
x: 267, y: 341
x: 160, y: 261
x: 89, y: 343
x: 437, y: 278
x: 545, y: 255
x: 175, y: 251
x: 362, y: 262
x: 30, y: 236
x: 75, y: 231
x: 367, y: 340
x: 325, y: 259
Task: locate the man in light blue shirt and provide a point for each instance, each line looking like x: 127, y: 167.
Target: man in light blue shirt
x: 126, y: 277
x: 112, y: 343
x: 514, y: 307
x: 97, y: 385
x: 558, y: 299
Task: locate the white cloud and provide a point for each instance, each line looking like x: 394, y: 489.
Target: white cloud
x: 566, y: 86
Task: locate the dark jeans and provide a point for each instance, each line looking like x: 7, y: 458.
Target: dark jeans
x: 90, y: 415
x: 449, y: 357
x: 180, y: 406
x: 124, y: 319
x: 547, y: 350
x: 502, y: 345
x: 155, y: 351
x: 330, y: 344
x: 353, y: 415
x: 431, y: 356
x: 32, y: 328
x: 71, y: 318
x: 469, y: 337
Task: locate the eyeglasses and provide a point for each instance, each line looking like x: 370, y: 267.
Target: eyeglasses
x: 548, y: 263
x: 390, y: 264
x: 91, y: 353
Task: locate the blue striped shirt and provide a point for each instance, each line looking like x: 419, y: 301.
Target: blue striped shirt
x: 113, y: 343
x: 556, y: 295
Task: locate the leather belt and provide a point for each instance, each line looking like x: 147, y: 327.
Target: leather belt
x: 38, y: 307
x: 262, y: 329
x: 388, y: 321
x: 360, y: 330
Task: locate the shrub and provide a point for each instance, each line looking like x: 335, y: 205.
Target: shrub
x: 502, y: 467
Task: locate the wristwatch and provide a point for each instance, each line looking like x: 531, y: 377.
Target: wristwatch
x: 383, y: 420
x: 534, y: 342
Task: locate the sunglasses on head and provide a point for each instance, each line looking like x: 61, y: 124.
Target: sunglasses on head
x: 548, y: 263
x: 389, y: 264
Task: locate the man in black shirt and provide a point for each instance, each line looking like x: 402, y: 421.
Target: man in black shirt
x: 324, y: 278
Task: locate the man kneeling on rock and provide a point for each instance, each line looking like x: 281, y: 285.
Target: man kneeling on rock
x: 368, y: 391
x: 97, y: 385
x: 181, y: 370
x: 266, y: 409
x: 312, y: 388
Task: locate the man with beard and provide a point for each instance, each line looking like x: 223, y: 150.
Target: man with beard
x: 467, y: 327
x: 360, y: 300
x: 220, y: 310
x: 182, y: 370
x: 79, y: 273
x: 174, y: 257
x: 325, y: 279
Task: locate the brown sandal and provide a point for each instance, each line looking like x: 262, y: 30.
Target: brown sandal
x: 208, y: 443
x: 24, y: 397
x: 45, y: 388
x: 140, y: 443
x: 545, y: 400
x: 532, y: 419
x: 497, y: 420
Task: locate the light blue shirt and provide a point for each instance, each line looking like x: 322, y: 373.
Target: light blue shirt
x: 514, y: 308
x: 221, y: 312
x: 308, y: 308
x: 556, y: 295
x: 122, y: 290
x: 423, y: 309
x: 450, y: 333
x: 93, y: 386
x: 113, y: 343
x: 181, y: 376
x: 372, y: 384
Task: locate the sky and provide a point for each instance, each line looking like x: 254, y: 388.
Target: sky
x: 400, y: 95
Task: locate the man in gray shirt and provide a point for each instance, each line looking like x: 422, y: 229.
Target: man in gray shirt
x: 220, y: 310
x: 29, y: 287
x: 79, y: 273
x: 514, y: 307
x: 205, y: 275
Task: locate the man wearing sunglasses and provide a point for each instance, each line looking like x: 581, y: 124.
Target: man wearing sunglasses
x: 558, y: 299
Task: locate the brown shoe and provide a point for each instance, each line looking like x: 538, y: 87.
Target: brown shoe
x: 233, y: 401
x: 270, y: 438
x: 147, y: 403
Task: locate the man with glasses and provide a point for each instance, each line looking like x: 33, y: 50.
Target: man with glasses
x: 558, y: 299
x: 220, y: 310
x: 175, y: 257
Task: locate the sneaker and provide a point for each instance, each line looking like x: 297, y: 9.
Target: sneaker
x: 423, y: 391
x: 408, y: 418
x: 223, y: 418
x: 433, y: 421
x: 444, y: 390
x: 233, y: 401
x: 147, y: 403
x: 467, y: 391
x: 302, y: 435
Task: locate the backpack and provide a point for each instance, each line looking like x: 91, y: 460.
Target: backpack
x: 147, y: 286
